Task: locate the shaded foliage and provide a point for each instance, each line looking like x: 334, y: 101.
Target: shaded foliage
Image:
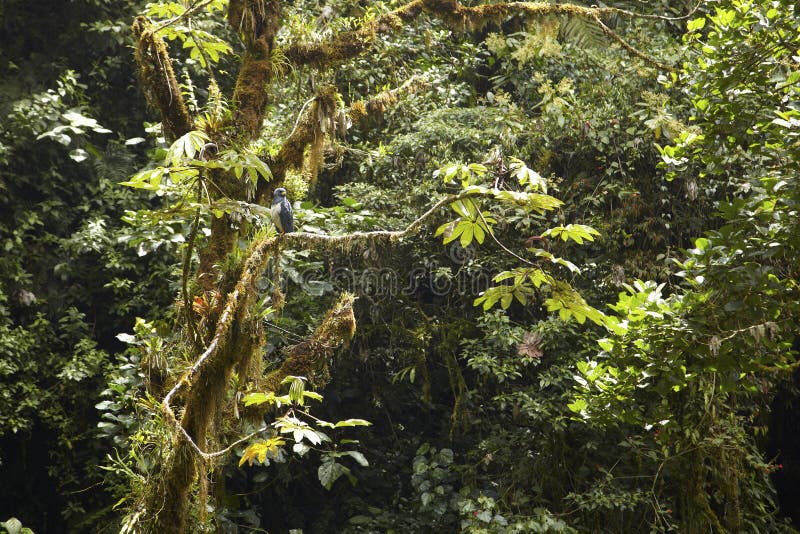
x: 590, y: 181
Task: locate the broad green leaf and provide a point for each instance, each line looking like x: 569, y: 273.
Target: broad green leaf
x: 578, y: 406
x: 185, y: 147
x: 466, y: 235
x: 329, y: 472
x: 258, y: 398
x: 696, y: 24
x: 358, y: 457
x: 576, y: 232
x: 352, y: 422
x: 478, y: 233
x: 313, y: 395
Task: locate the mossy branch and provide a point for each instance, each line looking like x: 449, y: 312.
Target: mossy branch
x: 347, y: 45
x: 336, y: 328
x: 254, y: 266
x: 305, y: 358
x: 308, y: 128
x: 322, y: 241
x: 314, y: 114
x: 257, y: 22
x: 161, y: 88
x: 377, y: 104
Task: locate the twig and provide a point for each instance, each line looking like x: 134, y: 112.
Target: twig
x: 221, y: 452
x: 300, y: 115
x: 633, y: 15
x: 630, y: 48
x: 187, y: 261
x: 491, y: 233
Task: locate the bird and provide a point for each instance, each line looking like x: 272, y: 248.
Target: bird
x: 281, y: 212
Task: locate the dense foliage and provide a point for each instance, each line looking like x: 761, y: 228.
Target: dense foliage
x: 592, y: 331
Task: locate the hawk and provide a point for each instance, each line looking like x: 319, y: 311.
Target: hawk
x: 281, y: 212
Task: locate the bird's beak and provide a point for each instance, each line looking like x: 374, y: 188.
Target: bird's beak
x: 283, y: 193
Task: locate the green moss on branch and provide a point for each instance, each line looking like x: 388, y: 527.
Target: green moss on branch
x: 310, y: 358
x: 257, y: 21
x: 346, y: 45
x: 327, y: 54
x: 158, y: 80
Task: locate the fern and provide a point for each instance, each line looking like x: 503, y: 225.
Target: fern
x: 583, y: 32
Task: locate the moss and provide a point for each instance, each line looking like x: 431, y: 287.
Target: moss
x: 221, y: 242
x: 296, y: 185
x: 309, y: 128
x: 250, y: 95
x: 422, y: 337
x: 158, y: 80
x: 166, y: 504
x: 254, y: 19
x: 357, y: 111
x: 448, y: 347
x: 376, y: 106
x: 346, y: 45
x: 310, y: 358
x: 257, y: 21
x: 314, y: 159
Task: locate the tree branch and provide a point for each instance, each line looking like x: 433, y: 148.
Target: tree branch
x: 255, y: 265
x: 377, y: 104
x: 257, y: 21
x: 353, y: 43
x: 347, y: 45
x: 158, y: 80
x: 631, y: 49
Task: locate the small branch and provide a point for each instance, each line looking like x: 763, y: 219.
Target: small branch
x: 203, y: 54
x: 300, y: 115
x: 491, y: 233
x: 633, y: 15
x: 187, y: 262
x: 630, y: 48
x: 210, y: 455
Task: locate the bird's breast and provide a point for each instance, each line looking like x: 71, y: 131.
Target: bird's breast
x: 275, y: 214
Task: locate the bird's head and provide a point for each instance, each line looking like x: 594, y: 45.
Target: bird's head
x: 280, y: 193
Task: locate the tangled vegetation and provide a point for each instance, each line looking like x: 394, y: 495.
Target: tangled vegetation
x: 544, y: 279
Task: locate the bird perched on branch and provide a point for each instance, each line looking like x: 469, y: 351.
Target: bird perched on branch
x: 281, y: 212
